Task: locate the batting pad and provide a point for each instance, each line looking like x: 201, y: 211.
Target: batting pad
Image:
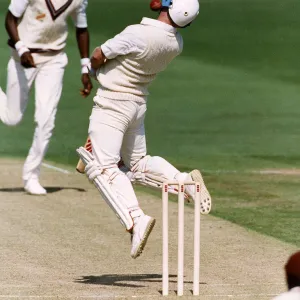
x: 152, y: 181
x: 95, y: 174
x: 144, y: 174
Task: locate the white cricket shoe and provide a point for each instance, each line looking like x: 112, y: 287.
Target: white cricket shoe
x: 140, y: 234
x: 33, y: 187
x: 205, y: 198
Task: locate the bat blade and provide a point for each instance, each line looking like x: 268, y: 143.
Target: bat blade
x: 80, y: 165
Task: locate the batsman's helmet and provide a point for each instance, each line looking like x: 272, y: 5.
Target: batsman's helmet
x: 182, y: 12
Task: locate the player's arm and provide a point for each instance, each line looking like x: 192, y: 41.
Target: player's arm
x: 83, y: 42
x: 15, y: 11
x: 98, y: 58
x: 11, y: 25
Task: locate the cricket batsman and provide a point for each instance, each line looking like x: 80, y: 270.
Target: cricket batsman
x: 125, y: 66
x: 38, y: 32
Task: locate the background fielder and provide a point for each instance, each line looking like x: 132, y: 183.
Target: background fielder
x: 126, y: 65
x: 38, y: 34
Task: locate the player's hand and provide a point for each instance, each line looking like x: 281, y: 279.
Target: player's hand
x: 27, y: 60
x: 87, y: 85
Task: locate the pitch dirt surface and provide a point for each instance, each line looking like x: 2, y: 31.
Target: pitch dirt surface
x: 69, y: 245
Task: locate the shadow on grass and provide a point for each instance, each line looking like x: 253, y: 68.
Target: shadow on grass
x: 50, y: 190
x: 123, y: 279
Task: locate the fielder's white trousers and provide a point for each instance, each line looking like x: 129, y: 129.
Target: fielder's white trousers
x: 48, y: 78
x: 117, y: 130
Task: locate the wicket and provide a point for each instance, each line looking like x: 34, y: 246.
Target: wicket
x: 165, y: 235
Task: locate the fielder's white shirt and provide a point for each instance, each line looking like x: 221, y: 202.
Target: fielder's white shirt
x: 18, y: 7
x: 293, y: 294
x: 131, y: 41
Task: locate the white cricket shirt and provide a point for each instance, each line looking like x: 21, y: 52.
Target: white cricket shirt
x: 18, y: 7
x: 43, y: 23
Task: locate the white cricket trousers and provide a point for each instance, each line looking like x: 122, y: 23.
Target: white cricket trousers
x: 117, y: 130
x: 48, y: 78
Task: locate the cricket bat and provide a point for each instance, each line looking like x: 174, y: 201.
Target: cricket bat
x: 80, y: 165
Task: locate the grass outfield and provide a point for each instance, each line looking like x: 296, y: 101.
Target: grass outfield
x: 229, y: 103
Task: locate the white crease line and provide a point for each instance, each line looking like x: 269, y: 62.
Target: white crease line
x: 56, y: 168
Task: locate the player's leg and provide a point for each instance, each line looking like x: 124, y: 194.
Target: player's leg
x: 140, y: 167
x: 108, y: 123
x: 48, y: 88
x: 19, y: 81
x: 152, y: 171
x: 137, y: 165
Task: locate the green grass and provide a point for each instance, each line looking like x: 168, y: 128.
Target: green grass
x: 230, y: 102
x: 267, y: 204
